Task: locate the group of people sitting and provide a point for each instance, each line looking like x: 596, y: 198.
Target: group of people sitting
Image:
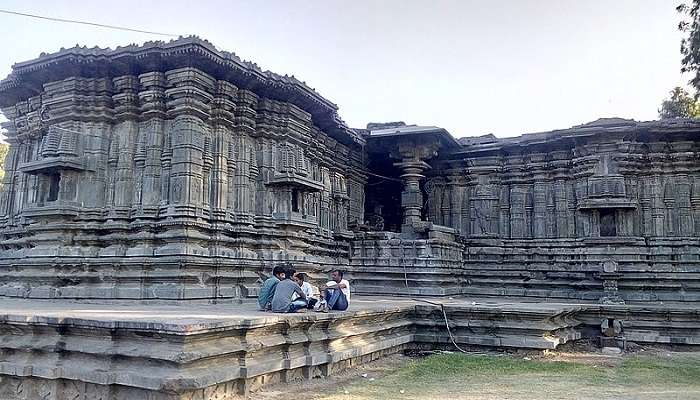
x: 288, y: 291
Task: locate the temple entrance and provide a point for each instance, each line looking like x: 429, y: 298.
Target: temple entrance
x: 383, y: 197
x: 608, y: 222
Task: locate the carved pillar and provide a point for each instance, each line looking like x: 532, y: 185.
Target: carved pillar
x: 456, y: 188
x: 571, y: 210
x: 631, y: 219
x: 231, y: 174
x: 219, y: 173
x: 518, y: 196
x: 504, y: 214
x: 9, y: 184
x: 485, y: 209
x: 551, y: 216
x: 411, y: 196
x: 685, y: 218
x: 695, y: 202
x: 152, y: 99
x: 152, y: 170
x: 252, y: 178
x: 646, y: 209
x: 222, y: 116
x: 583, y: 220
x: 208, y: 163
x: 670, y: 210
x: 125, y: 134
x: 166, y: 164
x: 242, y: 193
x: 560, y: 207
x: 465, y: 223
x: 658, y: 208
x: 434, y: 189
x: 112, y: 158
x: 539, y: 223
x: 187, y: 163
x: 138, y: 166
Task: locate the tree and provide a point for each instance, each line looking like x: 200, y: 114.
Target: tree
x: 690, y: 45
x: 4, y: 149
x: 680, y: 105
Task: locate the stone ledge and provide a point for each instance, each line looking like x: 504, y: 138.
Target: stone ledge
x: 169, y: 351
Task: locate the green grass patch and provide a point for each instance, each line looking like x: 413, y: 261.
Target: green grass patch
x: 677, y: 370
x: 460, y: 376
x: 448, y: 366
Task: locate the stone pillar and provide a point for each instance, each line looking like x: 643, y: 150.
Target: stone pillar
x: 8, y: 186
x: 518, y: 225
x: 695, y: 204
x: 219, y: 176
x: 411, y: 196
x: 456, y: 184
x: 540, y: 211
x: 685, y: 218
x: 125, y: 134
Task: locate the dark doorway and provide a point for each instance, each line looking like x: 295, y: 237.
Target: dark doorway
x: 295, y: 200
x: 383, y: 196
x: 54, y: 182
x: 608, y: 222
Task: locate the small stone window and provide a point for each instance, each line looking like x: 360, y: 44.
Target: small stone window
x: 295, y: 200
x: 608, y: 222
x: 54, y: 183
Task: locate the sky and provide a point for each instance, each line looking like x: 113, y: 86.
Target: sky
x: 505, y: 67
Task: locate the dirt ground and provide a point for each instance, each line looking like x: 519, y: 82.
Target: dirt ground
x: 579, y: 371
x: 320, y: 387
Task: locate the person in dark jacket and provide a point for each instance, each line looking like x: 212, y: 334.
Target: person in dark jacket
x: 267, y: 291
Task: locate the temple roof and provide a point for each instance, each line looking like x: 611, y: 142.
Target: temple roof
x: 378, y: 138
x: 379, y: 135
x: 601, y: 126
x: 27, y: 78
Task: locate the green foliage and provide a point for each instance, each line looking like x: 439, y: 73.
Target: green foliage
x: 680, y: 105
x: 690, y: 45
x: 4, y: 149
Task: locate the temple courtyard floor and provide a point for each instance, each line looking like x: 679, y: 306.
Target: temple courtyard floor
x: 61, y: 349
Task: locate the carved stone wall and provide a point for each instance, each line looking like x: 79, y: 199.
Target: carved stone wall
x: 537, y: 214
x: 558, y: 196
x: 170, y: 182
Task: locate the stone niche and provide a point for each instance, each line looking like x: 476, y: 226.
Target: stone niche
x: 605, y: 197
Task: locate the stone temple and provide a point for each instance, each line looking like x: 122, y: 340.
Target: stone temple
x: 149, y: 190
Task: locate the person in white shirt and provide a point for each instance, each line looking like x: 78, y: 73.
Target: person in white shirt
x: 311, y: 297
x: 336, y: 295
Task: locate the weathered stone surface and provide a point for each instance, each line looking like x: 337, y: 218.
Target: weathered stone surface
x: 538, y: 215
x: 172, y: 352
x: 174, y: 171
x: 177, y: 179
x: 163, y: 351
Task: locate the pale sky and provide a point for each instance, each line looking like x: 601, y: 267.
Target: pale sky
x: 473, y: 67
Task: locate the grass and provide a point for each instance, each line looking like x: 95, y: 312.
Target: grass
x: 677, y: 370
x: 459, y: 376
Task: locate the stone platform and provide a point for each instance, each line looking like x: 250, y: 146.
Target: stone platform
x: 158, y: 351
